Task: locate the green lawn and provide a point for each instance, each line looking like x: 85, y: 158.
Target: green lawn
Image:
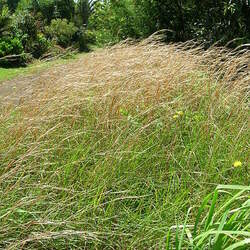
x: 10, y: 73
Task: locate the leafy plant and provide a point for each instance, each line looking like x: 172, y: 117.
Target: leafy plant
x: 61, y: 31
x: 24, y: 5
x: 5, y: 19
x: 11, y: 46
x: 40, y: 46
x: 113, y: 21
x: 226, y: 227
x: 25, y: 22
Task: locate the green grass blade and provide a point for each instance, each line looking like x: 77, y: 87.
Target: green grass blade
x: 168, y: 239
x: 217, y: 240
x: 190, y: 237
x: 203, y: 236
x: 201, y: 209
x: 183, y: 230
x: 239, y: 244
x: 233, y: 187
x: 177, y: 237
x: 211, y: 211
x: 229, y: 202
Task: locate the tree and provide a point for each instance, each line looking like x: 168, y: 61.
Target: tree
x: 83, y: 11
x: 5, y: 18
x: 46, y: 7
x: 65, y: 8
x: 12, y: 4
x: 113, y: 20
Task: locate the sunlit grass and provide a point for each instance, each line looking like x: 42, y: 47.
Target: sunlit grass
x: 224, y: 227
x: 114, y: 151
x: 35, y: 67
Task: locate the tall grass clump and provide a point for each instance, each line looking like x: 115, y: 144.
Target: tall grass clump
x: 226, y: 227
x: 111, y: 150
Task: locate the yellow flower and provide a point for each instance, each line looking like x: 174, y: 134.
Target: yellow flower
x: 180, y: 113
x: 176, y: 116
x: 237, y: 164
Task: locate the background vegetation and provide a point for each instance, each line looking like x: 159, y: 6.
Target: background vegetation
x: 37, y: 29
x: 32, y: 28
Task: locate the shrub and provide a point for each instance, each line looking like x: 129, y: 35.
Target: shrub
x: 26, y: 27
x: 90, y: 36
x: 4, y: 19
x: 61, y: 31
x: 113, y: 21
x: 25, y: 23
x: 46, y: 8
x: 24, y: 5
x: 11, y: 46
x: 18, y: 37
x: 40, y: 46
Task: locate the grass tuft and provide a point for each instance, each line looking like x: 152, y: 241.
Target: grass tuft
x: 228, y: 227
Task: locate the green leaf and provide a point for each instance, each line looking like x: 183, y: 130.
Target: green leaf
x: 234, y: 187
x: 211, y: 211
x: 230, y: 201
x: 239, y: 244
x: 201, y: 209
x: 183, y: 230
x: 217, y: 240
x: 168, y: 238
x: 203, y: 236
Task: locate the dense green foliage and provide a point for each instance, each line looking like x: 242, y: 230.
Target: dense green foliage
x: 207, y: 21
x: 31, y: 28
x: 11, y: 46
x: 111, y: 21
x: 61, y: 31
